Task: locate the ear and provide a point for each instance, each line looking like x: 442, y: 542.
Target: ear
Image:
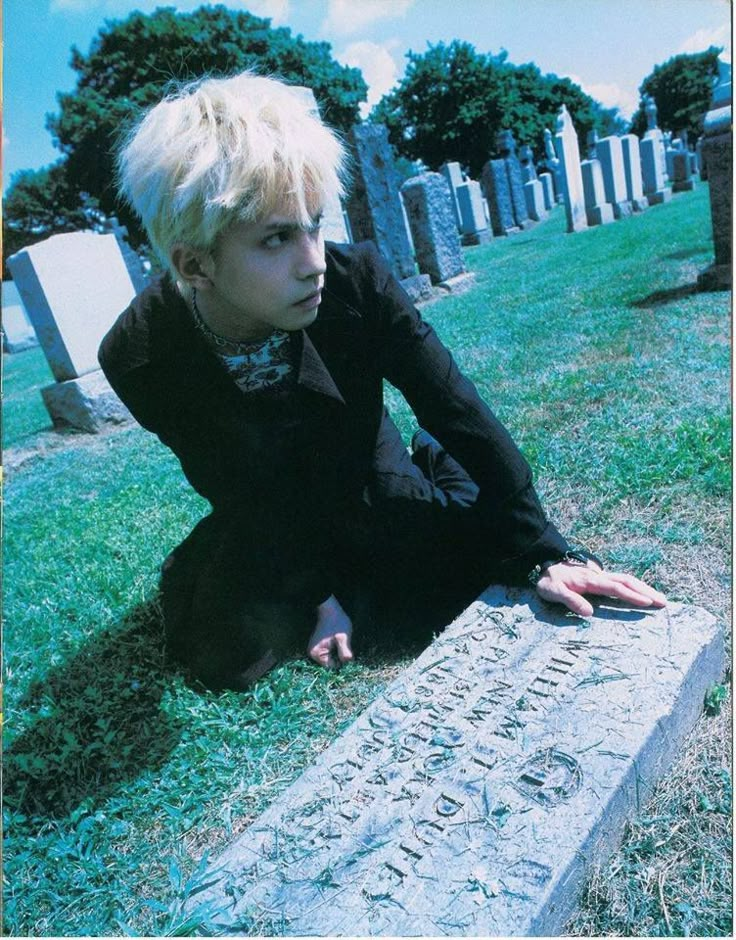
x: 192, y: 265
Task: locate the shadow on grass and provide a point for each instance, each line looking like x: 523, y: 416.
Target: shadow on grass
x: 97, y: 721
x: 660, y: 297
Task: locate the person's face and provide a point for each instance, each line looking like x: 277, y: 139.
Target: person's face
x: 265, y: 275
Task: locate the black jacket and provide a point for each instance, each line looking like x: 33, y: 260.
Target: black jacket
x: 329, y: 458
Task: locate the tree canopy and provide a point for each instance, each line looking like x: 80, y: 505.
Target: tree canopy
x: 452, y: 101
x: 682, y: 88
x: 128, y: 68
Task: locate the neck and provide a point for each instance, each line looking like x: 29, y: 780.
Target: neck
x: 225, y: 324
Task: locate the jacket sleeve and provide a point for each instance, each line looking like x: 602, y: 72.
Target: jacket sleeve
x: 447, y: 404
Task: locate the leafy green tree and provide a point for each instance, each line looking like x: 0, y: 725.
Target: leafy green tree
x: 41, y: 203
x: 452, y: 101
x: 131, y: 62
x: 682, y: 88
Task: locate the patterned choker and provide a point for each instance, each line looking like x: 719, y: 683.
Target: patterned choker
x: 241, y: 345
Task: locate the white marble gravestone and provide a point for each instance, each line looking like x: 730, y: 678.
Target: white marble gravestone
x: 597, y: 210
x: 632, y: 172
x: 74, y: 286
x: 653, y: 181
x: 568, y: 153
x: 474, y: 228
x: 474, y: 794
x: 610, y: 153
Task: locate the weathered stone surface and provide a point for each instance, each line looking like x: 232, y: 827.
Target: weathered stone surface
x: 717, y: 151
x: 516, y: 188
x: 632, y: 172
x: 87, y: 403
x: 534, y: 195
x: 682, y: 174
x: 497, y: 191
x: 568, y: 153
x: 375, y: 209
x: 436, y: 241
x: 73, y: 287
x: 418, y: 287
x: 611, y: 156
x: 474, y: 228
x: 472, y: 796
x: 597, y: 210
x: 17, y: 329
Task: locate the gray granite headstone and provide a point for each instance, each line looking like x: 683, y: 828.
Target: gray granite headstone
x: 375, y: 209
x: 682, y: 172
x: 632, y: 172
x: 526, y: 159
x: 436, y: 241
x: 474, y: 228
x: 597, y: 210
x: 18, y: 332
x: 553, y: 165
x: 474, y: 795
x: 568, y: 153
x: 653, y: 183
x: 534, y: 195
x: 611, y: 156
x: 495, y: 183
x: 507, y: 148
x: 717, y: 149
x: 548, y: 185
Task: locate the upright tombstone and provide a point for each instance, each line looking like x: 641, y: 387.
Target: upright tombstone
x: 374, y: 208
x: 718, y: 154
x: 702, y: 171
x: 611, y: 156
x: 453, y: 173
x: 495, y: 183
x: 682, y: 172
x: 474, y: 228
x: 632, y: 172
x: 568, y: 153
x: 507, y: 148
x: 553, y: 165
x: 526, y: 159
x: 654, y: 133
x: 436, y: 241
x: 17, y: 330
x: 534, y: 195
x: 548, y: 188
x: 597, y: 210
x: 333, y: 219
x: 653, y: 184
x: 74, y: 286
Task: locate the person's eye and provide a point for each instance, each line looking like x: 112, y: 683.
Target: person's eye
x: 277, y: 239
x: 316, y: 226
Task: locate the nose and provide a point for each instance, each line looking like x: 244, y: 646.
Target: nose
x: 310, y: 262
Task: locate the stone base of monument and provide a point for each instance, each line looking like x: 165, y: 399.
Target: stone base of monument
x: 716, y: 277
x: 683, y: 186
x: 622, y: 210
x: 639, y: 205
x: 87, y: 403
x: 599, y: 215
x: 476, y: 238
x: 474, y: 795
x: 458, y: 284
x: 418, y: 287
x: 658, y: 197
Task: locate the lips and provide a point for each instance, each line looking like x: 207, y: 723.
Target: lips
x: 311, y: 300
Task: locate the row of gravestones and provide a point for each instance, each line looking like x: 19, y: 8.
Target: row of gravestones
x: 71, y: 310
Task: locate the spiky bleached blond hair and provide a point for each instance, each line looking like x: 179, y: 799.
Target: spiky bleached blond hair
x: 225, y: 150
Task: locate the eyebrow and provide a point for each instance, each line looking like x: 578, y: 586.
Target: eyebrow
x: 281, y: 225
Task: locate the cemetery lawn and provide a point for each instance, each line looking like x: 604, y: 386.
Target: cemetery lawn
x: 613, y: 374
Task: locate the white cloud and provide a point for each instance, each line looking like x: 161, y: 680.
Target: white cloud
x: 610, y: 95
x: 378, y: 66
x: 350, y: 16
x: 703, y: 38
x: 275, y: 10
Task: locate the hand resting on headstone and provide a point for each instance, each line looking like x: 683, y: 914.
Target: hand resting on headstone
x: 329, y: 644
x: 566, y: 584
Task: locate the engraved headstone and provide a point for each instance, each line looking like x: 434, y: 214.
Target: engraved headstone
x: 436, y: 240
x: 568, y: 153
x: 597, y: 210
x: 375, y: 209
x: 611, y: 156
x: 507, y: 148
x: 632, y: 172
x: 473, y: 221
x: 718, y: 154
x: 73, y: 287
x: 453, y: 173
x: 653, y: 183
x: 17, y: 329
x: 497, y: 191
x: 474, y: 795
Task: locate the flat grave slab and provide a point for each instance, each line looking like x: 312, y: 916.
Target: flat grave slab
x: 472, y: 797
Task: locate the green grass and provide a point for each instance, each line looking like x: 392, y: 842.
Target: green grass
x: 612, y: 373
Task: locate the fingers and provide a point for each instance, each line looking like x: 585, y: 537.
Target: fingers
x: 332, y: 651
x: 344, y: 652
x: 565, y: 584
x: 558, y: 593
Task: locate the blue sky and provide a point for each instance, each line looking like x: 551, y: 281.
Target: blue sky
x: 607, y: 46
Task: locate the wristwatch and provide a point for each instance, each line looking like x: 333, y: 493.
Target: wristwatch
x: 579, y: 558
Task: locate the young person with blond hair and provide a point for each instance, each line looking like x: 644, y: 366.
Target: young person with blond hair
x: 259, y: 359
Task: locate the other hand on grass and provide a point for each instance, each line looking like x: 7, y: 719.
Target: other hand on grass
x: 329, y: 644
x: 566, y: 584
